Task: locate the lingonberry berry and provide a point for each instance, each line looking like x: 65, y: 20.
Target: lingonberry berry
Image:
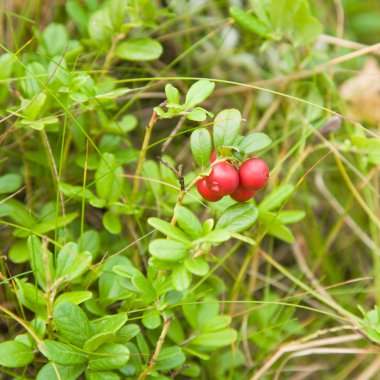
x: 206, y: 193
x: 223, y: 179
x: 254, y: 174
x: 241, y: 194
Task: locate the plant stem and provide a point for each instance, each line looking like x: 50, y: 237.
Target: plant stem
x: 142, y: 154
x: 160, y: 342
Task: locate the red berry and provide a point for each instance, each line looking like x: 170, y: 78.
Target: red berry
x: 254, y: 174
x: 223, y: 179
x: 213, y: 156
x: 241, y: 194
x: 206, y: 193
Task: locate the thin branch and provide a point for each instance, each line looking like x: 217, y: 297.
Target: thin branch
x: 157, y: 351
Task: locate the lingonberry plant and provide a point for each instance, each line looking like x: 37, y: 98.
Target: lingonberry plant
x: 142, y: 237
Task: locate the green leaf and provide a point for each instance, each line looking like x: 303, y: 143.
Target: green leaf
x: 109, y: 178
x: 172, y: 94
x: 33, y: 107
x: 226, y: 127
x: 255, y: 142
x: 201, y: 146
x: 368, y: 146
x: 101, y: 375
x: 55, y: 39
x: 41, y: 260
x: 238, y: 218
x: 215, y: 237
x: 17, y: 212
x: 110, y: 356
x: 109, y: 323
x: 10, y: 183
x: 100, y: 26
x: 76, y: 297
x: 170, y: 358
x: 144, y: 49
x: 198, y: 92
x: 49, y: 372
x: 249, y: 22
x: 197, y: 114
x: 188, y: 222
x: 31, y: 297
x: 61, y: 353
x: 71, y: 263
x: 181, y: 278
x: 217, y: 323
x: 110, y: 288
x: 144, y: 287
x: 151, y: 319
x: 293, y: 20
x: 111, y: 223
x: 275, y: 227
x: 93, y: 343
x: 18, y: 253
x: 277, y: 198
x: 197, y: 266
x: 216, y: 339
x: 169, y: 230
x: 72, y: 323
x: 168, y: 250
x: 128, y: 332
x: 14, y: 354
x: 290, y: 217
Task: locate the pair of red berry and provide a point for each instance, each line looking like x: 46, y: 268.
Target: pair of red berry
x: 240, y: 185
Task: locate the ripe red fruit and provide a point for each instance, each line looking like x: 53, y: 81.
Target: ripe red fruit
x: 206, y: 193
x: 213, y: 156
x: 254, y: 174
x: 241, y: 194
x: 223, y: 179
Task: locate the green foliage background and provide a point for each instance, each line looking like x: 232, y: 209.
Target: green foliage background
x: 109, y: 270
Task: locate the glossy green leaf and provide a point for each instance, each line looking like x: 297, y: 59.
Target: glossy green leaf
x: 226, y: 127
x: 71, y: 263
x: 109, y: 357
x: 55, y: 39
x: 201, y: 146
x: 14, y: 354
x: 10, y: 183
x: 170, y: 358
x: 72, y: 323
x: 76, y: 297
x: 142, y: 49
x: 93, y: 343
x: 109, y: 323
x: 197, y: 266
x: 62, y: 353
x: 168, y: 250
x: 277, y: 198
x: 129, y: 331
x: 255, y: 142
x: 198, y: 92
x: 216, y: 339
x: 169, y: 230
x: 172, y: 94
x: 49, y: 371
x: 188, y: 222
x: 151, y: 319
x: 109, y: 178
x: 111, y: 223
x: 249, y: 22
x: 181, y: 278
x: 238, y: 218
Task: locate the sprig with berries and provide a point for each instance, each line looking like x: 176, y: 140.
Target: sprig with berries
x: 228, y: 170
